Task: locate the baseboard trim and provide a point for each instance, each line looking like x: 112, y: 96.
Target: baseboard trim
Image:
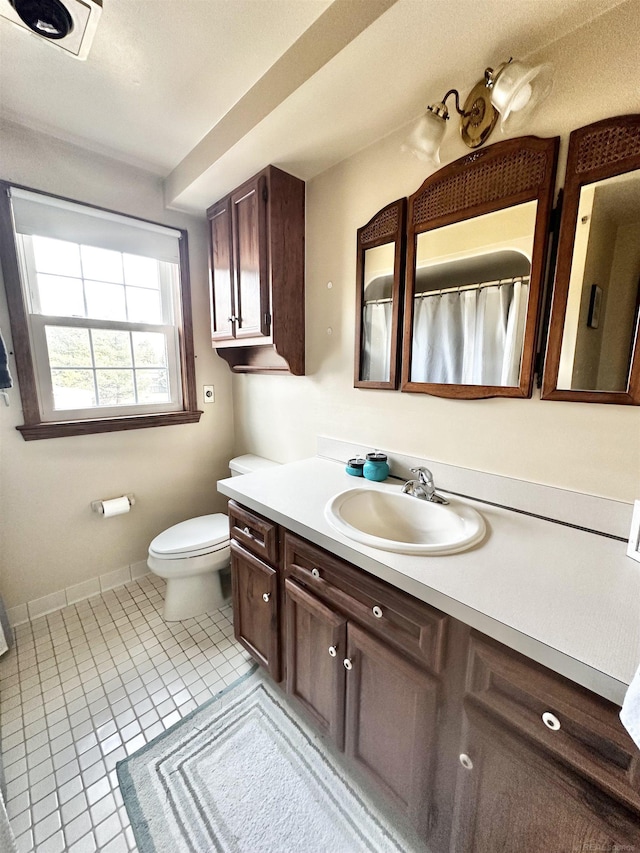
x: 73, y: 594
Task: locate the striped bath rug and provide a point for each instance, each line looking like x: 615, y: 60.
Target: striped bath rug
x: 244, y: 774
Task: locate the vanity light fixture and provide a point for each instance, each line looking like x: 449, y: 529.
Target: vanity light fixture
x: 512, y: 91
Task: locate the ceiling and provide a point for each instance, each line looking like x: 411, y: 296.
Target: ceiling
x: 207, y: 92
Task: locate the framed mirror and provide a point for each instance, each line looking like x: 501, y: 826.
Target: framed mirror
x: 477, y: 248
x: 380, y: 279
x: 592, y: 350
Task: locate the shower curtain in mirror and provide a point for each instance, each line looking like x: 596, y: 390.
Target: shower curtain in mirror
x: 470, y: 337
x: 376, y: 341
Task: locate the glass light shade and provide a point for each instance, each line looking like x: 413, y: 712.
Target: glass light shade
x: 424, y: 141
x: 517, y: 92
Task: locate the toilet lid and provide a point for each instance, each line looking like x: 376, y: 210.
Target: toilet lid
x: 192, y: 537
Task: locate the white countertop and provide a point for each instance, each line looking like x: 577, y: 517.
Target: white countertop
x: 567, y: 598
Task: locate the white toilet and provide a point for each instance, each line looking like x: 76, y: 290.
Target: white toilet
x: 190, y: 556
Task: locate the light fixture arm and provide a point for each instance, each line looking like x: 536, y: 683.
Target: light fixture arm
x: 457, y: 98
x: 440, y: 109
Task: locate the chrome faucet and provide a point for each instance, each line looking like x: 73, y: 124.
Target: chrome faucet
x: 424, y: 487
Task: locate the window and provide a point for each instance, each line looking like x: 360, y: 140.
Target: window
x: 100, y: 315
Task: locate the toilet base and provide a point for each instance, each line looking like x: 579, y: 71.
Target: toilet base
x: 193, y: 596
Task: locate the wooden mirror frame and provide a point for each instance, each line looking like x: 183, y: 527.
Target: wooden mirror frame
x: 387, y: 226
x: 597, y: 151
x: 502, y: 175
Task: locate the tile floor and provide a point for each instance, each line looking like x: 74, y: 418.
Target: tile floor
x: 88, y: 685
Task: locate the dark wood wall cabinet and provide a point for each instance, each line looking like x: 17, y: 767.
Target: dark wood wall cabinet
x: 477, y: 747
x: 256, y: 267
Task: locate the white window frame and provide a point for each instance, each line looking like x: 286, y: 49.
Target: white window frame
x: 37, y: 334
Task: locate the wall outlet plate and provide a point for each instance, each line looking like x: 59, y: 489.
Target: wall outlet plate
x: 633, y: 548
x: 209, y: 393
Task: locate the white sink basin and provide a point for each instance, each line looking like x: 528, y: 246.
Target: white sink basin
x: 393, y: 521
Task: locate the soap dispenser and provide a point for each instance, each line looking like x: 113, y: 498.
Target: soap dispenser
x: 376, y: 467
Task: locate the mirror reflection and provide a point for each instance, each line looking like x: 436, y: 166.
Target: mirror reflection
x: 470, y: 299
x: 377, y: 313
x: 604, y: 288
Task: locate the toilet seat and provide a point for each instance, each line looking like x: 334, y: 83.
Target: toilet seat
x: 195, y: 537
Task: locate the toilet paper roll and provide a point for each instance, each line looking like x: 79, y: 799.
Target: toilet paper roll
x: 118, y: 506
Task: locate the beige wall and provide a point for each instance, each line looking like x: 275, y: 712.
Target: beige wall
x: 591, y: 448
x: 49, y: 537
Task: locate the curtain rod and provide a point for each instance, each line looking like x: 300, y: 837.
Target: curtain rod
x: 478, y: 286
x: 457, y: 289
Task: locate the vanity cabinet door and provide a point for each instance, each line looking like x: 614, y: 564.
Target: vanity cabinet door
x: 255, y: 608
x: 390, y: 723
x: 512, y: 796
x: 316, y: 647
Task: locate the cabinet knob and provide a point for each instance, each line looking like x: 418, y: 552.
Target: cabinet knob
x: 266, y: 596
x: 246, y: 531
x: 466, y: 762
x: 315, y: 573
x: 232, y: 319
x: 333, y: 651
x: 551, y: 721
x: 377, y: 611
x: 347, y: 664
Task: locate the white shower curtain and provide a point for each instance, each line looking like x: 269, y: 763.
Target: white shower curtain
x: 376, y: 341
x: 470, y: 337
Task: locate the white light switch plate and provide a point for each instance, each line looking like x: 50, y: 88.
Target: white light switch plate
x: 633, y: 548
x: 209, y: 393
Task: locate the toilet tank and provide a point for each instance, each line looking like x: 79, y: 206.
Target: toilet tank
x: 249, y: 463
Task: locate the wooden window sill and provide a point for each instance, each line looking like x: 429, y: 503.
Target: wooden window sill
x: 59, y: 429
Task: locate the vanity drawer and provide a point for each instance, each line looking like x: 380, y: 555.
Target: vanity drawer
x: 577, y: 726
x: 257, y: 534
x: 410, y: 625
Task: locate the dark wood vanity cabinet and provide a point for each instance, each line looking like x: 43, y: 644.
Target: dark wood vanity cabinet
x: 256, y: 264
x: 478, y: 747
x: 542, y: 761
x: 255, y: 586
x: 363, y: 663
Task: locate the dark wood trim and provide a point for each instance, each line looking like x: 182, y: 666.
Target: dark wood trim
x: 187, y: 350
x: 387, y: 226
x: 503, y: 175
x: 60, y: 429
x: 597, y: 151
x: 34, y: 427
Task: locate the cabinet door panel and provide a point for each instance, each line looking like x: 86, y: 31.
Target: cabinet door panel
x: 251, y: 259
x: 391, y: 715
x: 516, y: 798
x: 222, y: 301
x: 255, y: 608
x: 315, y: 677
x: 590, y: 736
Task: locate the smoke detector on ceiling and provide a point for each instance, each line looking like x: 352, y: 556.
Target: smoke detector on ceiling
x: 68, y: 24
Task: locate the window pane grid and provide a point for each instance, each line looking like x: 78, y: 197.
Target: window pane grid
x: 126, y: 287
x: 121, y: 375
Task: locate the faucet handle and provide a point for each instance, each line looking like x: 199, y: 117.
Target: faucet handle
x: 424, y: 475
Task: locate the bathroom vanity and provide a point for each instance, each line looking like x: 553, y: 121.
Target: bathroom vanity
x: 410, y: 664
